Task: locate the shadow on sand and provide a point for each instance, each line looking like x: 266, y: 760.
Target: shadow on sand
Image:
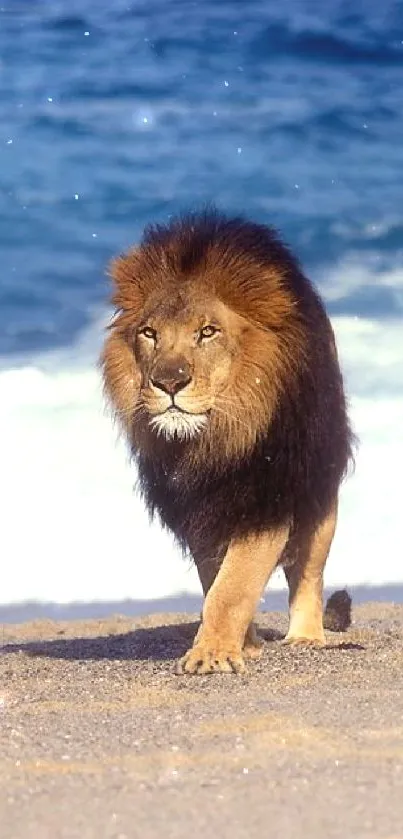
x: 161, y: 643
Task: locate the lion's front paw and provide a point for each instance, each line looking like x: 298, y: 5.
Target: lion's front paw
x: 211, y: 657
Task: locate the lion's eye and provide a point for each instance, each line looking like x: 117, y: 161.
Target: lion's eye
x: 208, y: 331
x: 148, y: 332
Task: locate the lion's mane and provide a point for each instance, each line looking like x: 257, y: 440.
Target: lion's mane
x: 284, y: 451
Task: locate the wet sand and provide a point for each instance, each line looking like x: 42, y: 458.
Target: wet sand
x: 99, y: 738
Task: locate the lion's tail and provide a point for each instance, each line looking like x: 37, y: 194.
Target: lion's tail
x: 337, y: 615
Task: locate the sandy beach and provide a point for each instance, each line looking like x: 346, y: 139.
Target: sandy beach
x: 99, y: 738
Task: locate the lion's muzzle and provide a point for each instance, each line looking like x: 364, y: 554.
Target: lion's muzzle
x: 171, y: 375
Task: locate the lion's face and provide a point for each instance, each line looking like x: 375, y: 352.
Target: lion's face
x: 184, y: 355
x: 188, y: 367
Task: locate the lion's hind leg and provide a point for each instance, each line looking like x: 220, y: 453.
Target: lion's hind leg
x: 253, y: 643
x: 305, y: 581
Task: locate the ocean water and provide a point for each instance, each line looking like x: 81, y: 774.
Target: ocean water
x: 117, y: 114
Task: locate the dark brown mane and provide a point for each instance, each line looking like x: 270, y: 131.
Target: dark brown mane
x: 289, y: 455
x: 240, y: 261
x: 189, y: 240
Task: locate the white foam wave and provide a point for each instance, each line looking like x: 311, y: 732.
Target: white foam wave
x: 355, y: 274
x: 71, y: 527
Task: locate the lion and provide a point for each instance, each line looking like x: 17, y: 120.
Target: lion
x: 221, y: 367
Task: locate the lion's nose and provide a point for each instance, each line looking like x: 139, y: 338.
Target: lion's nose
x: 171, y: 378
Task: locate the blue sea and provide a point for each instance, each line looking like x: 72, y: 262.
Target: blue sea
x: 114, y: 115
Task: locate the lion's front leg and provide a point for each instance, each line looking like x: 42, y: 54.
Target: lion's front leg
x: 231, y: 602
x: 208, y: 568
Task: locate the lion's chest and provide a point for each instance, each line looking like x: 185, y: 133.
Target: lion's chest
x: 211, y: 509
